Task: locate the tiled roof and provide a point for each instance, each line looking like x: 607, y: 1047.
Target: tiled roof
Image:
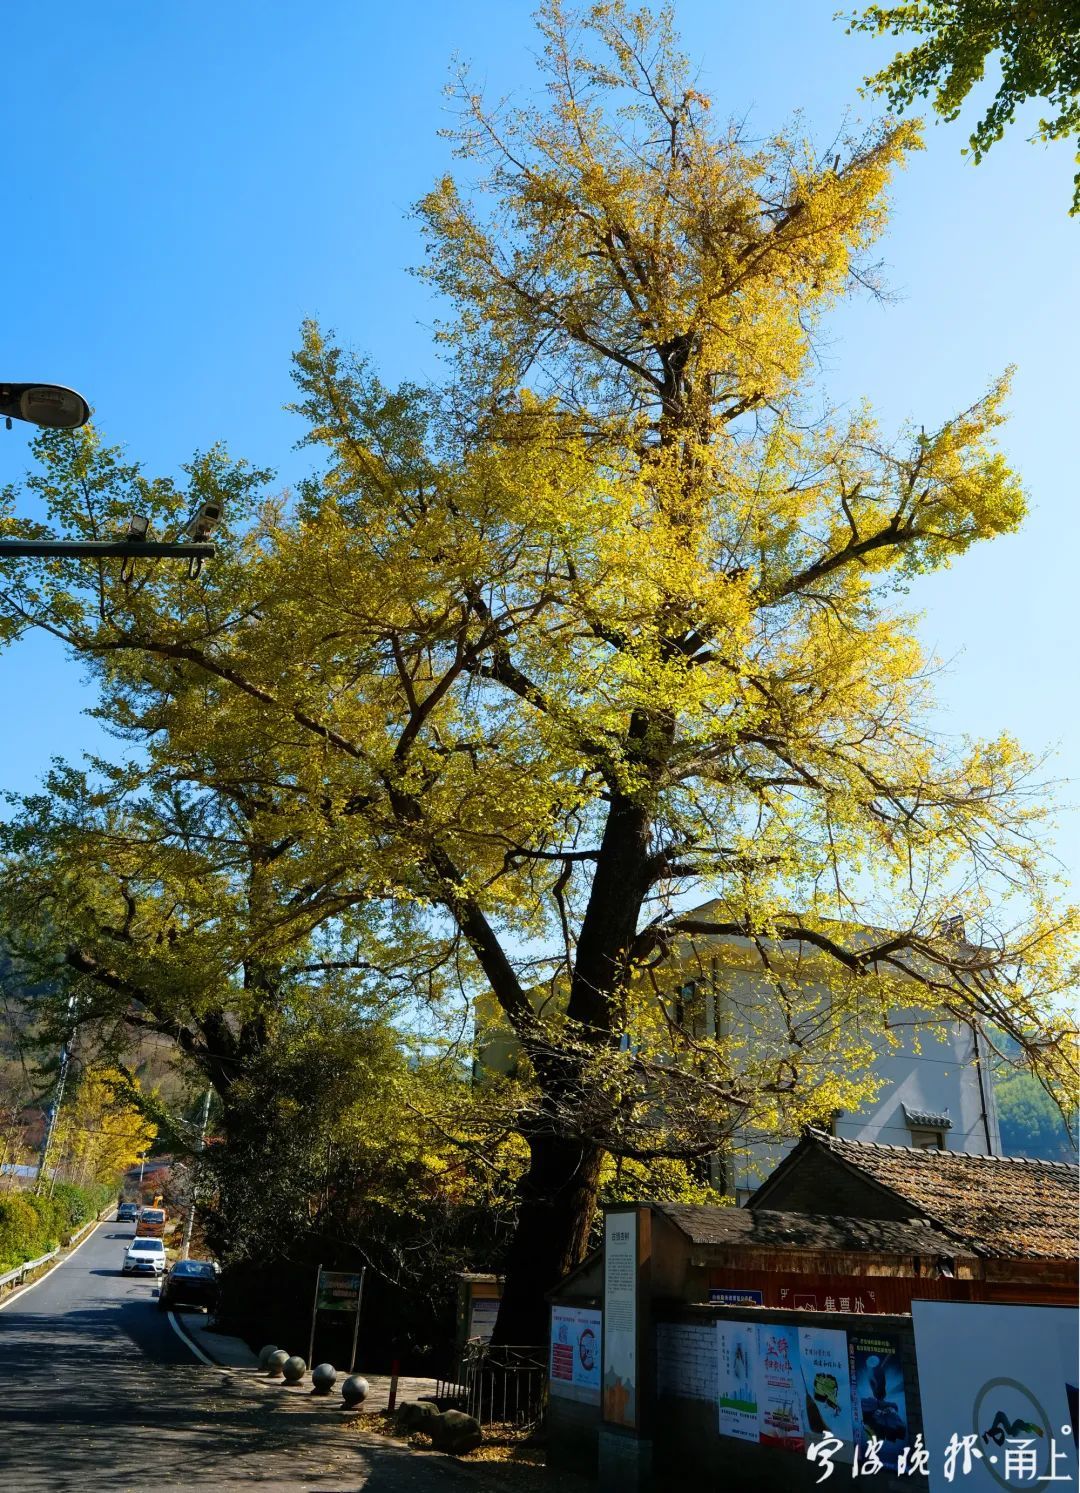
x: 926, y: 1119
x: 767, y: 1228
x: 1006, y: 1206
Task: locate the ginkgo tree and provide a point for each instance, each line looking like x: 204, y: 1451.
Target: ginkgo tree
x: 100, y: 1132
x: 606, y: 627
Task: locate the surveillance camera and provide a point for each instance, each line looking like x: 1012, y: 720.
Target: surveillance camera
x: 205, y: 518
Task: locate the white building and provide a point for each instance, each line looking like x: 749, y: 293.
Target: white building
x: 935, y: 1086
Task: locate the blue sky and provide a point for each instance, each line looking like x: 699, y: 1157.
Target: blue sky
x: 183, y: 184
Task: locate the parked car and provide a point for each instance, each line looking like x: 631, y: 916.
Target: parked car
x: 127, y: 1213
x: 190, y: 1283
x: 145, y: 1257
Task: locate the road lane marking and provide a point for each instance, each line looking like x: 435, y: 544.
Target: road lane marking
x: 189, y: 1343
x: 23, y: 1289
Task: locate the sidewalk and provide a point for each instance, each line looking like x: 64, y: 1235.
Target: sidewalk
x: 234, y: 1353
x: 219, y: 1347
x: 308, y: 1432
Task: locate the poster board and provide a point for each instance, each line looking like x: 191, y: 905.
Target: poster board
x: 575, y: 1355
x: 788, y: 1386
x: 737, y: 1360
x: 338, y: 1291
x: 1007, y: 1376
x: 483, y: 1312
x: 620, y: 1319
x: 826, y: 1384
x: 878, y: 1399
x: 779, y: 1381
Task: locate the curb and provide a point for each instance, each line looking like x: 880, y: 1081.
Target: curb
x: 202, y: 1346
x: 200, y: 1353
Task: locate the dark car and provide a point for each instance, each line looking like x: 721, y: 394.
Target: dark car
x: 127, y: 1212
x: 189, y: 1283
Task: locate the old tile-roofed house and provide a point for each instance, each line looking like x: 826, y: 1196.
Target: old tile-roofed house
x: 1004, y: 1209
x: 777, y: 1259
x: 765, y: 1228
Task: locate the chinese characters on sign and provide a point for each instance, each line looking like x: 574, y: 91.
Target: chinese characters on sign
x: 1017, y: 1468
x: 620, y: 1319
x: 338, y: 1291
x: 812, y: 1291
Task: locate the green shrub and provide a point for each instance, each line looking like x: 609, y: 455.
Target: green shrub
x: 52, y: 1217
x: 80, y: 1204
x: 20, y: 1231
x: 30, y: 1226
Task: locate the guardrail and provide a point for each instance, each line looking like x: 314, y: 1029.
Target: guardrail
x: 18, y: 1275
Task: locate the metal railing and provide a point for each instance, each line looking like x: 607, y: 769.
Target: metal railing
x: 18, y: 1275
x: 504, y: 1383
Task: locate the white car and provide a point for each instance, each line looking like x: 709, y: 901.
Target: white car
x: 145, y: 1257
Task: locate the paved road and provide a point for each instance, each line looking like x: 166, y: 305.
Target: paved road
x: 98, y: 1392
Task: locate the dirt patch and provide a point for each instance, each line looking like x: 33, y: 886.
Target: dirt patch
x: 510, y: 1458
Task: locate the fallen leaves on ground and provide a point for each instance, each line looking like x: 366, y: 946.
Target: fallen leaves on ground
x: 515, y: 1456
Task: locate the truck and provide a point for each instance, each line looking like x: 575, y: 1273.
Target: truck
x: 151, y: 1223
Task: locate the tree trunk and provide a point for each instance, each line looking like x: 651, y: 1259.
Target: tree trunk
x: 558, y: 1200
x: 558, y: 1193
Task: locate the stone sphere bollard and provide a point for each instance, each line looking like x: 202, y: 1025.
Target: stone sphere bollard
x: 323, y: 1376
x: 354, y: 1391
x: 294, y: 1369
x: 276, y: 1362
x: 264, y: 1354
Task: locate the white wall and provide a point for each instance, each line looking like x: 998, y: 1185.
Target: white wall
x: 934, y: 1074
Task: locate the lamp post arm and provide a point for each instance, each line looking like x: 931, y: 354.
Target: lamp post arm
x: 105, y: 549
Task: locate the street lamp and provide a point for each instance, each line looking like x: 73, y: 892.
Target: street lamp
x: 54, y: 407
x: 50, y: 405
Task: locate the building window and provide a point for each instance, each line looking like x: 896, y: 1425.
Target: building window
x: 928, y: 1140
x: 684, y: 1004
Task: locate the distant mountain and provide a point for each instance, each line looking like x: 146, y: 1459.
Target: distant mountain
x: 1031, y: 1124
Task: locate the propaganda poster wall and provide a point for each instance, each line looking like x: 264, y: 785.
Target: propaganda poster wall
x: 787, y: 1386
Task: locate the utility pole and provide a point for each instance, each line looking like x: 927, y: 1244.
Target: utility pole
x: 190, y: 1222
x: 58, y: 1099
